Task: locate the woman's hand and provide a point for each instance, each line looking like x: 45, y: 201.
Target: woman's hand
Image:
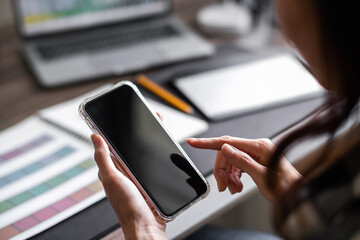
x: 135, y: 217
x: 238, y: 155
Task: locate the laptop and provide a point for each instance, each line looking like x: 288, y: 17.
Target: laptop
x: 67, y: 41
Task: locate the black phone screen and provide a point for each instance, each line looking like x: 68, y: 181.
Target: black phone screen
x: 147, y: 150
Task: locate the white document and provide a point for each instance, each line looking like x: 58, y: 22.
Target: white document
x: 249, y: 87
x: 180, y: 125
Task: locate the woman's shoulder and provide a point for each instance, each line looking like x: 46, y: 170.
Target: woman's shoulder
x: 326, y: 202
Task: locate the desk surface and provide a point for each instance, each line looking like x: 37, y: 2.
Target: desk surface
x: 20, y: 96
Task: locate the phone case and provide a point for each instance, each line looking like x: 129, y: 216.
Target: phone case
x: 158, y: 214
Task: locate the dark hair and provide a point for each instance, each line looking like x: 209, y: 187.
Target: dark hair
x: 340, y: 38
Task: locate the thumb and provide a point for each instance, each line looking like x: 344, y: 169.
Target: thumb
x: 102, y: 155
x: 243, y: 161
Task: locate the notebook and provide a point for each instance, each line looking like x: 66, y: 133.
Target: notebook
x: 249, y: 87
x: 66, y: 41
x: 47, y: 171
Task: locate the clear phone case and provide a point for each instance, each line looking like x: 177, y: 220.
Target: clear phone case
x: 158, y: 214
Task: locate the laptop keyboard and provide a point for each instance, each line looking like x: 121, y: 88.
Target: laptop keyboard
x: 100, y: 39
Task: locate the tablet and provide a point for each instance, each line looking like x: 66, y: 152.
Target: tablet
x: 249, y: 87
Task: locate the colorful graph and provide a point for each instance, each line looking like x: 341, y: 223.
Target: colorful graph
x: 45, y: 177
x: 36, y: 11
x: 36, y: 166
x: 49, y: 211
x: 43, y: 139
x: 45, y: 186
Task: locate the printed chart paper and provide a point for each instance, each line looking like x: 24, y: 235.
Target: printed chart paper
x: 45, y: 177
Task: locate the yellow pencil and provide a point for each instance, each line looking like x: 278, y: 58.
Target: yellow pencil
x: 164, y: 94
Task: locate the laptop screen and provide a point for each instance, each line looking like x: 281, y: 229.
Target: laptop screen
x: 50, y: 16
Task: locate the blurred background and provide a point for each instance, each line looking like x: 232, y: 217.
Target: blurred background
x: 5, y: 13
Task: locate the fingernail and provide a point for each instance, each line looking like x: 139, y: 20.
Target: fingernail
x: 220, y: 189
x: 191, y: 139
x: 228, y: 150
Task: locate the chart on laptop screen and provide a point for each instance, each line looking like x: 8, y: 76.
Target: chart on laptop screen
x: 45, y: 15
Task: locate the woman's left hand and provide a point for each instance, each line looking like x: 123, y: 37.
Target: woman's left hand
x: 135, y: 217
x: 238, y: 155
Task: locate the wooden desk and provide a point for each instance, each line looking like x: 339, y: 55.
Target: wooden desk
x: 20, y: 97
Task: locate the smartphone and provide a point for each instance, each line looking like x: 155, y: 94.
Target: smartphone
x: 141, y: 145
